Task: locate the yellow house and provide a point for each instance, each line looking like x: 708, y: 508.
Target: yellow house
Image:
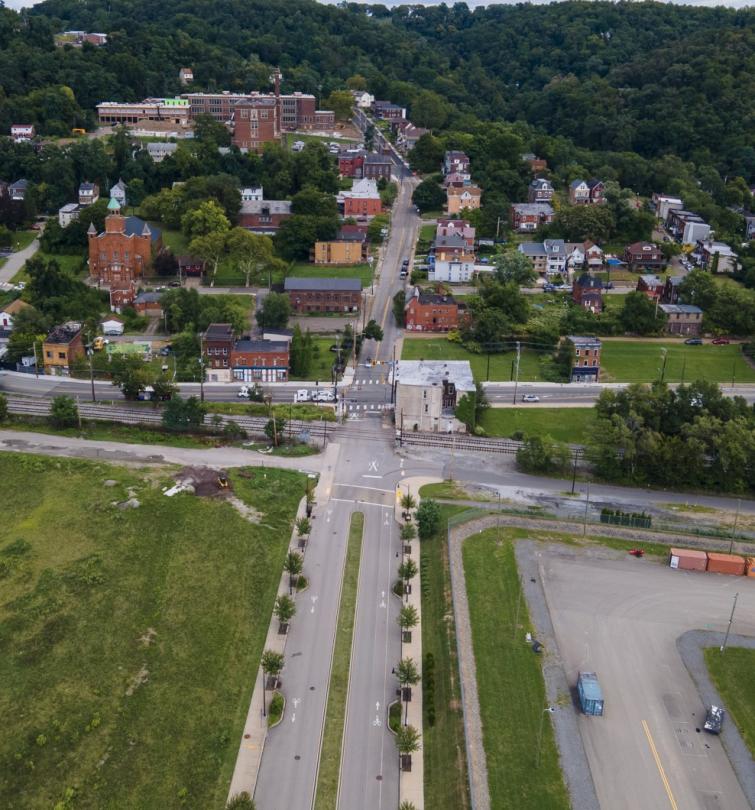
x: 340, y: 252
x: 463, y: 197
x: 62, y: 347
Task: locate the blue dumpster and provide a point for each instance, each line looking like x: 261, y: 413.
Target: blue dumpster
x: 590, y: 695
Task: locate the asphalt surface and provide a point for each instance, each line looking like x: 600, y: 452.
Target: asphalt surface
x: 17, y: 260
x: 621, y: 618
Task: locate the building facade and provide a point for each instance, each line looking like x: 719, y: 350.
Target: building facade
x: 324, y: 294
x: 643, y: 254
x: 217, y: 345
x: 431, y: 312
x: 62, y: 347
x: 427, y: 393
x: 340, y: 251
x: 586, y: 364
x: 255, y: 123
x: 254, y: 361
x: 464, y: 198
x: 264, y: 216
x: 171, y: 110
x: 530, y: 216
x: 682, y: 319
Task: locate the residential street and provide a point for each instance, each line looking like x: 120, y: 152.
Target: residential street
x: 17, y: 260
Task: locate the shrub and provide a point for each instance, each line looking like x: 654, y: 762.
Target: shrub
x: 63, y: 412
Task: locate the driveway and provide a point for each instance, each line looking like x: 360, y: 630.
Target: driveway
x: 17, y: 260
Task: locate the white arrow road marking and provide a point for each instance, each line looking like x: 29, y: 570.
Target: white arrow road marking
x: 377, y: 706
x: 373, y: 465
x: 401, y: 465
x: 382, y: 598
x: 327, y: 515
x: 314, y: 602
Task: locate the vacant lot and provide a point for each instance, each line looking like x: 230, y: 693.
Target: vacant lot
x: 360, y: 271
x: 501, y: 365
x: 564, y: 424
x: 130, y: 639
x: 510, y: 683
x: 642, y: 361
x: 734, y: 675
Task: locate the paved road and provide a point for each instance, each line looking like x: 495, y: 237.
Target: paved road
x: 621, y: 619
x: 17, y: 260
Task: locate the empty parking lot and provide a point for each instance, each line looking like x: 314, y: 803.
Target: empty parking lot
x: 621, y: 618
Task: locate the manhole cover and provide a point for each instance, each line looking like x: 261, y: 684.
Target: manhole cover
x: 379, y: 777
x: 247, y: 736
x: 311, y: 688
x: 297, y: 757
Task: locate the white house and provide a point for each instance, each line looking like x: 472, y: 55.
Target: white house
x: 453, y: 268
x: 68, y: 213
x: 159, y: 150
x: 8, y: 313
x: 363, y: 99
x: 547, y: 257
x: 579, y: 253
x: 252, y: 194
x: 22, y: 133
x: 118, y: 193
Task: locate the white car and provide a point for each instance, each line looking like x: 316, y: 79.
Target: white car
x: 530, y: 398
x: 243, y: 392
x: 324, y: 396
x: 302, y: 395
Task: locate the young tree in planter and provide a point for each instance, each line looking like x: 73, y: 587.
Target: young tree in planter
x: 408, y: 532
x: 243, y: 801
x: 408, y: 502
x: 407, y: 571
x: 407, y: 742
x: 408, y: 618
x: 407, y: 806
x: 428, y: 519
x: 285, y: 609
x: 408, y: 675
x: 272, y: 664
x: 293, y: 567
x: 303, y: 528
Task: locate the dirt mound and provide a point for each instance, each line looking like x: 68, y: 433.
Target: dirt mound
x: 205, y: 481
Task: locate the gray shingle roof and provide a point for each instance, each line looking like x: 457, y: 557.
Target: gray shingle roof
x: 323, y: 284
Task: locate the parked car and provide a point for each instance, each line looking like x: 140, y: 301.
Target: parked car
x: 549, y: 288
x: 302, y: 395
x: 693, y: 342
x: 530, y: 398
x: 326, y: 395
x: 165, y: 351
x: 243, y: 392
x: 720, y: 341
x: 714, y: 720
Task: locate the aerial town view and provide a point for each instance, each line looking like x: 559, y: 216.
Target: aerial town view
x: 377, y: 405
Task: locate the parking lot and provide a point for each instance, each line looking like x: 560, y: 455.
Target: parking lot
x: 621, y: 619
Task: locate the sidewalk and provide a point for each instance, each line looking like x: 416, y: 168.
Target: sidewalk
x: 254, y: 735
x: 412, y: 783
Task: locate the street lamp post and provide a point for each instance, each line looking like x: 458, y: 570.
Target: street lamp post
x: 548, y: 710
x: 731, y: 619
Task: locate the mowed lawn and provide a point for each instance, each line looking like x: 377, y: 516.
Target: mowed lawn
x: 501, y: 368
x: 563, y: 424
x: 360, y: 271
x: 509, y: 682
x: 734, y: 675
x: 130, y: 639
x: 641, y: 361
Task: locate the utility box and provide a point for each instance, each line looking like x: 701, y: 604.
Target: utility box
x: 590, y: 694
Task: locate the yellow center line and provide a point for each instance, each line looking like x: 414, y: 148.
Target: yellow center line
x: 657, y: 759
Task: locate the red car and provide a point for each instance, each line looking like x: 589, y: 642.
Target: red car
x: 720, y: 341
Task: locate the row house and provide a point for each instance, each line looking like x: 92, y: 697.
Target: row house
x: 118, y: 193
x: 687, y: 227
x: 590, y: 192
x: 407, y: 136
x: 587, y: 292
x: 456, y: 162
x: 363, y: 200
x: 89, y: 193
x: 651, y: 285
x: 324, y: 294
x: 62, y: 347
x: 583, y: 256
x: 464, y: 198
x: 530, y: 216
x: 548, y: 257
x: 717, y: 257
x: 147, y: 304
x: 456, y: 227
x: 264, y: 216
x: 260, y: 361
x: 348, y: 248
x: 535, y: 163
x: 663, y: 204
x: 540, y: 190
x: 217, y: 345
x: 643, y: 255
x: 190, y: 266
x: 388, y: 111
x: 456, y: 179
x: 68, y: 213
x: 431, y: 312
x: 671, y: 289
x: 22, y: 133
x: 586, y: 362
x: 351, y: 162
x: 376, y: 166
x: 682, y: 319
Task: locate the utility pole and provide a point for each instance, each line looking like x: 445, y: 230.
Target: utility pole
x: 684, y: 367
x: 393, y: 378
x: 487, y: 372
x: 90, y: 352
x: 401, y: 430
x: 734, y: 527
x: 574, y: 473
x: 731, y: 619
x: 516, y: 375
x: 36, y: 362
x: 587, y: 506
x: 663, y: 367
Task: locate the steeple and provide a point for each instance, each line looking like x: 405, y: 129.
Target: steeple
x: 114, y: 207
x: 146, y: 230
x: 91, y: 230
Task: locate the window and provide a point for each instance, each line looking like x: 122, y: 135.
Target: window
x: 49, y: 355
x: 61, y: 355
x: 425, y: 408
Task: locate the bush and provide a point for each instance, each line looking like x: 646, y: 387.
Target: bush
x: 428, y: 688
x: 541, y: 454
x: 3, y: 407
x: 183, y: 414
x: 233, y: 431
x: 428, y: 519
x: 63, y: 412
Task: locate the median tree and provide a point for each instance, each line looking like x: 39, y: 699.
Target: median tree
x: 272, y: 664
x: 407, y: 742
x: 408, y: 675
x: 285, y: 609
x: 399, y: 303
x: 293, y: 566
x: 373, y: 331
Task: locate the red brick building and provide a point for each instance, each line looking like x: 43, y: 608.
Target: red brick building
x: 120, y: 256
x: 264, y: 216
x: 324, y: 294
x: 651, y: 285
x: 256, y: 122
x: 431, y: 312
x: 587, y: 292
x: 530, y: 216
x: 643, y: 254
x: 260, y: 361
x: 217, y: 344
x: 377, y: 166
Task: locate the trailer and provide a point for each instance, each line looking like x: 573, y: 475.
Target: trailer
x: 590, y: 694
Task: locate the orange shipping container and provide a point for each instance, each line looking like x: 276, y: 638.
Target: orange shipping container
x: 688, y: 559
x: 726, y: 564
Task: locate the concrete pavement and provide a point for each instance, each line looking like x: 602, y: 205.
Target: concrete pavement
x: 17, y: 260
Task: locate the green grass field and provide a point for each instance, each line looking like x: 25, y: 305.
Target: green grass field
x: 641, y: 361
x: 73, y: 263
x: 175, y: 240
x: 22, y: 239
x: 734, y: 675
x: 510, y: 683
x: 500, y: 364
x: 563, y: 424
x: 360, y: 271
x: 130, y: 639
x: 443, y: 742
x: 451, y: 491
x: 320, y: 369
x: 330, y: 755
